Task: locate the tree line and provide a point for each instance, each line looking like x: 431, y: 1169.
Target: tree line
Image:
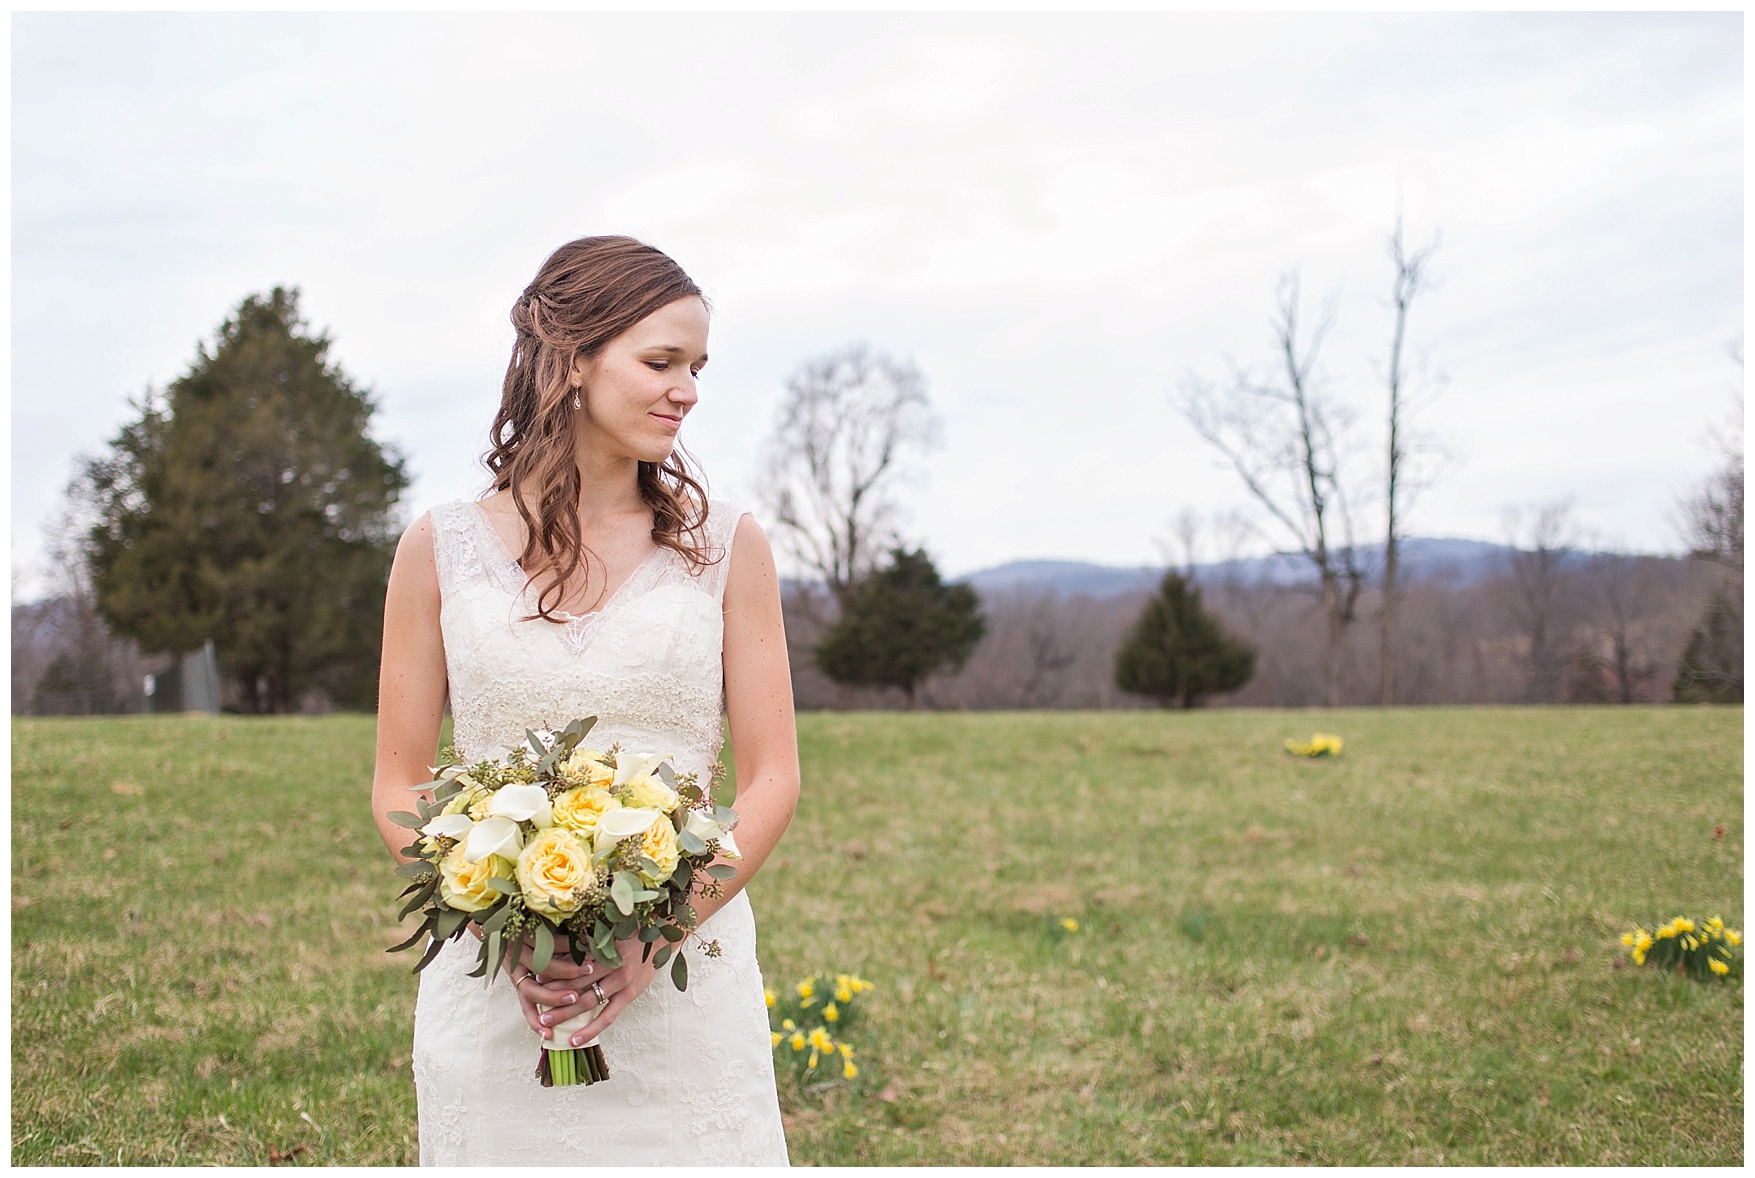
x: 247, y: 504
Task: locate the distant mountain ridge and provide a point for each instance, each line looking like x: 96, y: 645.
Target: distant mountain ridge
x: 1457, y: 562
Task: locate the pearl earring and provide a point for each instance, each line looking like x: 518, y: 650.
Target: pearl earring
x: 576, y: 404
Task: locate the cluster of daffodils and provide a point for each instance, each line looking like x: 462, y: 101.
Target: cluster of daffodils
x: 569, y: 849
x: 1322, y: 744
x: 1702, y: 951
x: 813, y: 1053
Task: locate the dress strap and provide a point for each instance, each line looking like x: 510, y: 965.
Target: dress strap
x: 722, y: 518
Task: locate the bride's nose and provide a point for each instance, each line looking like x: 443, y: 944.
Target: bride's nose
x: 684, y: 392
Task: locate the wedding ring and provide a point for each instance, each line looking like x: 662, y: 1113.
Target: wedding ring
x: 598, y: 990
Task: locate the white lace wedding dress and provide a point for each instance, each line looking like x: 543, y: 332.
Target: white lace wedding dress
x: 691, y: 1074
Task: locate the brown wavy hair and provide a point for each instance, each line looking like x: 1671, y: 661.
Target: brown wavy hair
x: 588, y: 292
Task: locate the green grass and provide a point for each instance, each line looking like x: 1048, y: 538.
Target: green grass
x: 1407, y: 955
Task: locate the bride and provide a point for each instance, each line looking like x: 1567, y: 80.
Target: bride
x: 596, y: 579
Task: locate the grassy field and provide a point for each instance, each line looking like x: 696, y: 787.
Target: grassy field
x: 1408, y: 955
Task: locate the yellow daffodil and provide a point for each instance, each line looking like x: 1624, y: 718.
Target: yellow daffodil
x: 1733, y: 937
x: 1626, y: 939
x: 787, y: 1024
x: 831, y: 1012
x: 1683, y: 924
x: 819, y: 1039
x: 813, y: 1060
x: 774, y: 1038
x: 1639, y: 957
x: 1069, y: 924
x: 849, y: 1069
x: 843, y: 993
x: 769, y: 997
x: 797, y: 1041
x: 846, y: 1050
x: 1718, y: 967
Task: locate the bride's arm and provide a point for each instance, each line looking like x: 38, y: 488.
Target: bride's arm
x: 758, y: 703
x: 411, y: 682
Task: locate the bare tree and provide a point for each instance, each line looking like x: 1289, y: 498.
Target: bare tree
x: 1543, y: 540
x: 1622, y: 590
x: 1281, y: 435
x: 850, y: 421
x: 1410, y: 278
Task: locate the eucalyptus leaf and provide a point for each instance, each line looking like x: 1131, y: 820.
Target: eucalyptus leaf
x: 432, y: 952
x: 666, y: 774
x: 651, y: 933
x: 535, y: 743
x: 625, y: 929
x: 726, y: 817
x: 672, y: 933
x: 506, y: 887
x: 722, y: 871
x: 421, y: 897
x: 645, y: 894
x: 492, y: 945
x: 544, y: 950
x: 690, y: 842
x: 418, y: 934
x: 414, y: 869
x: 621, y: 890
x: 679, y: 972
x: 404, y: 818
x: 495, y: 918
x: 662, y: 956
x: 450, y: 921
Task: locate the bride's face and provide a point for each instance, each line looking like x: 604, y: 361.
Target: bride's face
x: 638, y: 389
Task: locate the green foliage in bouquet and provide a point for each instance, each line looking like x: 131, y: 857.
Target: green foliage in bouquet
x: 1703, y: 951
x: 808, y: 1027
x: 561, y: 841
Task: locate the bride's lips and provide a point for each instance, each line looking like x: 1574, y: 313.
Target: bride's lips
x: 672, y: 422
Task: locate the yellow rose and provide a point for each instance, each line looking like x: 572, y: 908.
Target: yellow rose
x: 554, y: 871
x: 586, y: 767
x: 650, y: 793
x: 579, y: 809
x: 659, y: 845
x: 463, y: 885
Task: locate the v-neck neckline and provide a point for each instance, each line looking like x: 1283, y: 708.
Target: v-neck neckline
x: 511, y: 559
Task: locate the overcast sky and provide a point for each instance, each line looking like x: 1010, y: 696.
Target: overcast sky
x: 1059, y: 218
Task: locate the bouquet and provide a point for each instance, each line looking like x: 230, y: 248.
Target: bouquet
x: 572, y: 849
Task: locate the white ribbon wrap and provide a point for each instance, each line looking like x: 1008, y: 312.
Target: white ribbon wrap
x: 564, y: 1032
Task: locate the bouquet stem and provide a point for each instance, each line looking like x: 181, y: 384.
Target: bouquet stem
x: 562, y: 1067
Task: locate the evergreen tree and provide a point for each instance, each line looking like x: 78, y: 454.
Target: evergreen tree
x: 247, y: 504
x: 900, y: 624
x: 1711, y: 670
x: 1178, y: 653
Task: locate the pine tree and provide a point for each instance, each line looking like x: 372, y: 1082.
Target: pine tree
x: 1711, y: 669
x: 1178, y: 653
x: 247, y: 504
x: 900, y: 624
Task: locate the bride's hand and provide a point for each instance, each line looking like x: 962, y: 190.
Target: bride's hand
x: 570, y: 990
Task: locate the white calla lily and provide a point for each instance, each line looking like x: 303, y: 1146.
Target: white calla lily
x: 633, y: 766
x: 496, y: 835
x: 523, y: 803
x: 624, y: 822
x: 701, y: 826
x: 451, y: 826
x: 705, y: 828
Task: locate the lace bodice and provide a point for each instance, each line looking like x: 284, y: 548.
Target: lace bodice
x: 647, y: 663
